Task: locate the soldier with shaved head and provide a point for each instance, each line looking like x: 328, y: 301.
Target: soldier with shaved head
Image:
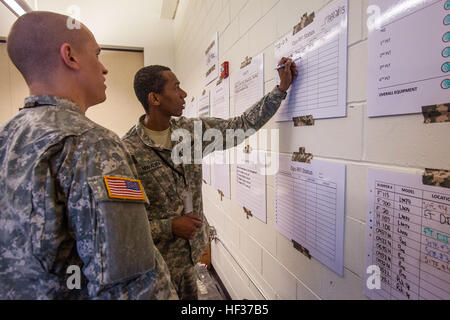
x: 69, y: 197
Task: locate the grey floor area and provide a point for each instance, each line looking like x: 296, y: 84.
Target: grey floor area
x: 209, y: 286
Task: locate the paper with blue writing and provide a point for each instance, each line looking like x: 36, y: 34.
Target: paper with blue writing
x: 407, y: 238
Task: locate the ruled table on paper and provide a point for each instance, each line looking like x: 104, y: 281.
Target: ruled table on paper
x: 310, y: 208
x: 320, y: 89
x: 407, y: 238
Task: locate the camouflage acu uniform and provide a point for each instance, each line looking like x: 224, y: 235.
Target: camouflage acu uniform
x: 165, y: 188
x: 55, y: 211
x: 303, y: 121
x: 437, y: 113
x: 302, y: 156
x: 437, y: 178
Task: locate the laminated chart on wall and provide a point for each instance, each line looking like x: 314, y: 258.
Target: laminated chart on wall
x: 221, y: 159
x: 409, y: 56
x: 191, y: 109
x: 320, y: 89
x: 204, y: 105
x: 407, y: 237
x: 249, y: 85
x: 251, y: 183
x: 310, y: 208
x: 203, y: 111
x: 212, y: 60
x: 206, y: 169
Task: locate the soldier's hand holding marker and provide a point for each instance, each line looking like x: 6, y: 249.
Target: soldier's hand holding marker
x: 287, y: 73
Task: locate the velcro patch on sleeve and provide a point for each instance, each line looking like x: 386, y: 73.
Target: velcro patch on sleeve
x: 123, y: 188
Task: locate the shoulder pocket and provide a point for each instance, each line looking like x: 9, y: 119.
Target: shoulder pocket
x: 123, y: 237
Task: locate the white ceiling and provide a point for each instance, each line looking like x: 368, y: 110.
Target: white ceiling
x: 117, y: 22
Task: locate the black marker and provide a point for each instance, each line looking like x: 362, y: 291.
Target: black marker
x: 284, y: 64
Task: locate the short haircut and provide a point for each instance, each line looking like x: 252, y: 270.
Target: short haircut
x: 35, y: 40
x: 147, y: 80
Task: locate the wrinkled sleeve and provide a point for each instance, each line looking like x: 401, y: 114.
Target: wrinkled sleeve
x: 253, y: 118
x: 161, y: 229
x: 113, y: 238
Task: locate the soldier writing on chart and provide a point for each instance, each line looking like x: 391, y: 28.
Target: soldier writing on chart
x: 179, y: 228
x: 69, y: 198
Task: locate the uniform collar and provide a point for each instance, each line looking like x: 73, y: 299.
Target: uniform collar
x: 146, y: 139
x: 49, y: 100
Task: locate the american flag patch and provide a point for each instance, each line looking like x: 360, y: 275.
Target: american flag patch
x: 123, y: 188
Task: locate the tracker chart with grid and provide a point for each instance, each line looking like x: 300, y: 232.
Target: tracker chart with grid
x: 407, y: 238
x: 309, y: 208
x: 320, y: 89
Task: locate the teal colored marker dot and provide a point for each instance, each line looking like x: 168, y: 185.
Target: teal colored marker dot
x: 445, y: 84
x: 446, y: 67
x: 447, y: 20
x: 446, y: 37
x: 447, y: 5
x: 446, y: 52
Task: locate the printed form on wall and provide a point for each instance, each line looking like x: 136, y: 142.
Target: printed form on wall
x: 251, y: 182
x: 212, y: 60
x: 191, y: 109
x: 249, y: 85
x: 203, y: 111
x: 221, y: 109
x: 310, y: 208
x: 407, y: 238
x: 409, y: 52
x: 204, y: 105
x: 320, y: 89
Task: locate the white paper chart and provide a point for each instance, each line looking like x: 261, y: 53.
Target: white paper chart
x: 222, y: 172
x: 221, y: 100
x: 249, y: 85
x: 251, y: 183
x: 408, y: 59
x: 191, y: 109
x: 203, y: 111
x: 204, y: 105
x: 206, y: 169
x: 321, y: 88
x: 310, y: 208
x: 407, y: 237
x: 221, y: 109
x: 212, y: 60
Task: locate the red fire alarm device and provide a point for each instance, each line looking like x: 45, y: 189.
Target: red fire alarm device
x: 224, y: 70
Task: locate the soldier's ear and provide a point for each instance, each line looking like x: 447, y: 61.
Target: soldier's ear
x: 67, y: 55
x: 153, y: 99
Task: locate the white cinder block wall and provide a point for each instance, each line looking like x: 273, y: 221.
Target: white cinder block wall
x: 268, y: 263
